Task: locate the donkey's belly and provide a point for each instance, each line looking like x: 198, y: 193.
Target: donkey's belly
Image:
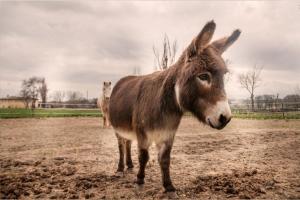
x: 160, y: 136
x: 156, y: 136
x: 129, y: 135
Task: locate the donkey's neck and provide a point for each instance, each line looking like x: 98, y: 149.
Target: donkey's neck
x: 169, y: 103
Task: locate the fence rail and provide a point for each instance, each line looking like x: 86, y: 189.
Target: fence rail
x: 262, y: 110
x: 266, y: 107
x: 267, y: 110
x: 67, y: 105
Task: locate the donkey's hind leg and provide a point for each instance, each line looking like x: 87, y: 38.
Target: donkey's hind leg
x: 128, y: 154
x: 121, y: 145
x: 143, y: 145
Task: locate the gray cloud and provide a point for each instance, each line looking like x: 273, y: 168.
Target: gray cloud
x: 60, y: 6
x: 76, y: 45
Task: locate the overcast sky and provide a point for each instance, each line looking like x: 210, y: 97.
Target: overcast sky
x: 76, y: 45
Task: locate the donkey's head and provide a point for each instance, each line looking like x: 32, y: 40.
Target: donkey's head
x: 199, y: 86
x: 106, y: 89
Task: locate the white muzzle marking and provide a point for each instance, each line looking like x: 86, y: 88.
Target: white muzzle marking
x: 214, y: 113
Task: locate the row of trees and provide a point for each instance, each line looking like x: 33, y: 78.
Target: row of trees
x: 35, y: 88
x: 71, y: 99
x: 273, y: 102
x: 68, y: 97
x: 267, y: 102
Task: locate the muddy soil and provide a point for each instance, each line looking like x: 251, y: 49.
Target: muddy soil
x: 73, y: 158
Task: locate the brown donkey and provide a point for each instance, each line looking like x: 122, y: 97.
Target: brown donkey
x: 149, y: 108
x: 103, y: 102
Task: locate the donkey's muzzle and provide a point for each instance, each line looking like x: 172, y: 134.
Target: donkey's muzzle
x: 219, y: 115
x: 223, y: 121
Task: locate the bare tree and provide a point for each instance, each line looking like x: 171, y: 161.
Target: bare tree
x: 43, y: 91
x: 251, y: 81
x: 29, y: 90
x: 73, y: 96
x: 58, y: 96
x: 26, y: 93
x: 33, y: 87
x: 168, y: 55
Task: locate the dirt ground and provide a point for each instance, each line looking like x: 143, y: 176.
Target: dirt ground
x: 76, y: 158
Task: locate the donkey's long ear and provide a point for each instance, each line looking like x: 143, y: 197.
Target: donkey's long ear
x: 222, y: 44
x: 204, y: 37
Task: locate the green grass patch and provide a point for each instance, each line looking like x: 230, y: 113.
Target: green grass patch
x: 38, y: 113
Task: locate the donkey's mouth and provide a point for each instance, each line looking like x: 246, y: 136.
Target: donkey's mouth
x: 216, y: 127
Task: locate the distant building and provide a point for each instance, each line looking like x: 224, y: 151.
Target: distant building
x: 18, y: 102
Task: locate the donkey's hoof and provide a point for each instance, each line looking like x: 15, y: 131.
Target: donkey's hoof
x: 119, y: 174
x: 139, y: 181
x: 130, y: 166
x: 170, y: 188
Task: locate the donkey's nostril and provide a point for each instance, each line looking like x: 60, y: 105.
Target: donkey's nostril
x: 223, y: 120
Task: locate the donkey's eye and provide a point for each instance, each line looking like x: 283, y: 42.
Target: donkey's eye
x: 204, y: 77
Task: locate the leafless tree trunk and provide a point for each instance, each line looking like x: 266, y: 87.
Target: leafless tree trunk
x: 25, y: 93
x: 168, y: 55
x: 250, y: 81
x: 43, y: 90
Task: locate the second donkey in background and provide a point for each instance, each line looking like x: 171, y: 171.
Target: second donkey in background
x: 103, y: 102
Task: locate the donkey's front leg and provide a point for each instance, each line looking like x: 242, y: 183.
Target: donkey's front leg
x: 164, y: 157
